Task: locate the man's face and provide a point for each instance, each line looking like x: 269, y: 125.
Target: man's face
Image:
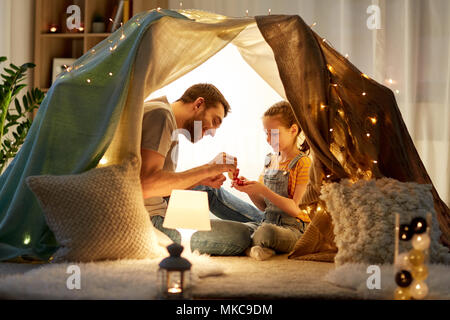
x: 205, y: 121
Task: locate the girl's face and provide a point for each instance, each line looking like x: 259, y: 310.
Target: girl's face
x: 278, y: 136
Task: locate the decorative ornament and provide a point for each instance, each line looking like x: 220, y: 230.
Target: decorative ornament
x: 418, y: 225
x: 405, y: 232
x: 420, y: 273
x: 416, y: 257
x: 418, y: 290
x: 421, y: 241
x: 412, y: 270
x: 403, y: 261
x: 402, y: 294
x: 403, y: 278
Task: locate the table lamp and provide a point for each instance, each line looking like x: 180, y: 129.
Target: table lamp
x: 187, y: 212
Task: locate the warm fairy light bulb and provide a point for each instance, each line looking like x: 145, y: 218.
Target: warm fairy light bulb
x: 421, y: 241
x: 88, y: 80
x: 374, y: 161
x: 322, y: 106
x: 330, y: 67
x: 313, y: 24
x: 331, y: 130
x: 113, y: 48
x: 390, y: 81
x: 363, y: 93
x: 373, y: 120
x: 418, y: 290
x: 123, y: 35
x: 270, y: 11
x: 346, y: 55
x: 397, y: 91
x: 158, y: 9
x: 365, y: 76
x: 319, y: 208
x: 93, y: 50
x: 110, y: 74
x: 181, y: 5
x: 334, y: 84
x: 323, y: 40
x: 103, y: 161
x: 368, y: 135
x: 246, y: 12
x: 328, y: 175
x: 27, y: 239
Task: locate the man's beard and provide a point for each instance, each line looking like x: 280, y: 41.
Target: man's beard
x: 194, y: 127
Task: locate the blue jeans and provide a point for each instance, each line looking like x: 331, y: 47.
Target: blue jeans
x: 228, y: 236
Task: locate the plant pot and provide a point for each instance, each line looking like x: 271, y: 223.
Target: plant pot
x: 98, y: 27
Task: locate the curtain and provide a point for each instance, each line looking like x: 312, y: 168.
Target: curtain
x: 407, y: 49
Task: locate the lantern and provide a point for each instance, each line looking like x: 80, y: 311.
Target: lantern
x: 174, y: 275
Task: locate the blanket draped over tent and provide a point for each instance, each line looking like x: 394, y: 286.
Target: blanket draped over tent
x: 94, y: 110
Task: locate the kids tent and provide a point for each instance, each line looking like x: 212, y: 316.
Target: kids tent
x: 94, y: 110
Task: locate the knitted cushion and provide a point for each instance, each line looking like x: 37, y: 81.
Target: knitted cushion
x: 363, y: 215
x: 98, y: 214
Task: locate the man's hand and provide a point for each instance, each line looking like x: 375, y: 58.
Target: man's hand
x: 223, y: 162
x: 224, y: 158
x: 214, y: 182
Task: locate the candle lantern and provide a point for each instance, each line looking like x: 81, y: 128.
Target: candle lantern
x: 53, y: 28
x: 174, y: 275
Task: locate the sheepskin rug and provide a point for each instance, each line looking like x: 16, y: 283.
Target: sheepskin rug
x: 119, y: 279
x: 363, y: 215
x: 355, y: 276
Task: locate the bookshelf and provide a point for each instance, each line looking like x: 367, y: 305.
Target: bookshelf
x: 70, y: 44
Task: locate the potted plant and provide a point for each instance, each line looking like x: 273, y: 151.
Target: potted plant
x: 98, y: 23
x: 15, y: 122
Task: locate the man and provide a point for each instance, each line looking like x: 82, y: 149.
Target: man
x: 199, y: 112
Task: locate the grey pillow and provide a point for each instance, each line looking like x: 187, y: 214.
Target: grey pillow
x: 363, y: 215
x: 98, y: 214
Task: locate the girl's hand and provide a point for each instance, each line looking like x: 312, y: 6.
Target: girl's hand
x: 250, y: 187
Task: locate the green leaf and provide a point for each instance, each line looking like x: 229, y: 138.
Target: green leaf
x: 18, y: 88
x: 18, y: 107
x: 25, y: 102
x: 2, y: 59
x: 10, y: 71
x: 26, y: 66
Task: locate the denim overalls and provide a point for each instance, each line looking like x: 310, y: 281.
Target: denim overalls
x: 278, y: 230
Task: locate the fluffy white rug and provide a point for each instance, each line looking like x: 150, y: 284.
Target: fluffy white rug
x: 354, y: 276
x: 120, y: 279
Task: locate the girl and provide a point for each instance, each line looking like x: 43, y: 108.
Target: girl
x: 280, y: 188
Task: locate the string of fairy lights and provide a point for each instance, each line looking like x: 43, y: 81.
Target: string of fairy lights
x: 372, y: 120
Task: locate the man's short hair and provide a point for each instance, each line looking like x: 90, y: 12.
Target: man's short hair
x: 209, y: 92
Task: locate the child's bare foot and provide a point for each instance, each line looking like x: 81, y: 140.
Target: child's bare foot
x: 260, y: 253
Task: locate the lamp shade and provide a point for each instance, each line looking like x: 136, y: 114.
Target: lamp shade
x: 188, y: 209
